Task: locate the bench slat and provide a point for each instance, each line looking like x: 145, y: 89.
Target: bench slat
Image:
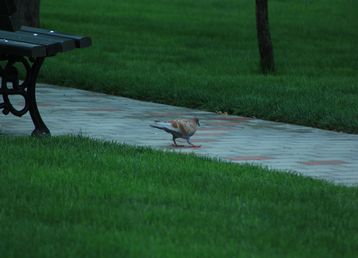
x: 52, y: 47
x: 12, y: 47
x: 81, y: 41
x: 66, y: 43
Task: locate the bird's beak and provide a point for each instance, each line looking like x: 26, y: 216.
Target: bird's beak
x: 198, y: 123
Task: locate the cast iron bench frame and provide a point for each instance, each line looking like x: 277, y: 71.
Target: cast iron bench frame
x: 28, y: 46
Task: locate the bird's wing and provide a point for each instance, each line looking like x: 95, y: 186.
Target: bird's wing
x: 186, y: 127
x: 183, y: 128
x: 169, y: 127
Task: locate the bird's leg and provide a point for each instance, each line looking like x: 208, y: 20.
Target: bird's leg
x: 175, y: 143
x: 192, y: 145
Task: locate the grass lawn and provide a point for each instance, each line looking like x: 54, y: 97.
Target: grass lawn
x: 203, y: 54
x: 73, y: 197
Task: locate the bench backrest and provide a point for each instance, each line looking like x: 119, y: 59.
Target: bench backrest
x: 7, y: 8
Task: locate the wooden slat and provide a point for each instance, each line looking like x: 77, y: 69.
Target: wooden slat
x: 52, y: 47
x: 81, y: 41
x: 12, y: 47
x: 66, y: 43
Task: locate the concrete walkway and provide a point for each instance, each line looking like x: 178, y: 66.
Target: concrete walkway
x: 313, y: 152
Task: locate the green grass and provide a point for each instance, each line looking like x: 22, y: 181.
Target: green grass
x: 203, y: 54
x: 73, y: 197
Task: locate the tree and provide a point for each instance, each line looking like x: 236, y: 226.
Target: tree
x: 27, y: 13
x: 264, y: 38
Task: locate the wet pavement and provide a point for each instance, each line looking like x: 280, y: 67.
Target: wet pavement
x: 312, y: 152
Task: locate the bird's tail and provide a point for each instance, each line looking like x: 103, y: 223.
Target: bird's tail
x: 158, y: 127
x: 161, y: 128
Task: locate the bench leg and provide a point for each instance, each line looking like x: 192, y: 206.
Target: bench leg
x: 26, y: 90
x: 40, y: 127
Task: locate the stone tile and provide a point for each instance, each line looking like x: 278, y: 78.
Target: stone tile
x: 324, y: 162
x: 249, y: 158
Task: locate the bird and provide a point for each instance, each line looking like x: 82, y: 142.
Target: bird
x: 179, y: 128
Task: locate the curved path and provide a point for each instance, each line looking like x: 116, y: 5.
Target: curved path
x: 313, y: 152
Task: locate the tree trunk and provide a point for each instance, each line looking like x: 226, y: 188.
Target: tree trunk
x: 264, y: 38
x: 27, y: 13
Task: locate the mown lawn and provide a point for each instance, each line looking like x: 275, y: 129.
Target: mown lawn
x: 74, y: 197
x: 203, y: 54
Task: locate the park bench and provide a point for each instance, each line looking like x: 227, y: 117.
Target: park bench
x: 27, y: 47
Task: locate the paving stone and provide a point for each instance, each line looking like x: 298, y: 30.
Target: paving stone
x: 290, y: 148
